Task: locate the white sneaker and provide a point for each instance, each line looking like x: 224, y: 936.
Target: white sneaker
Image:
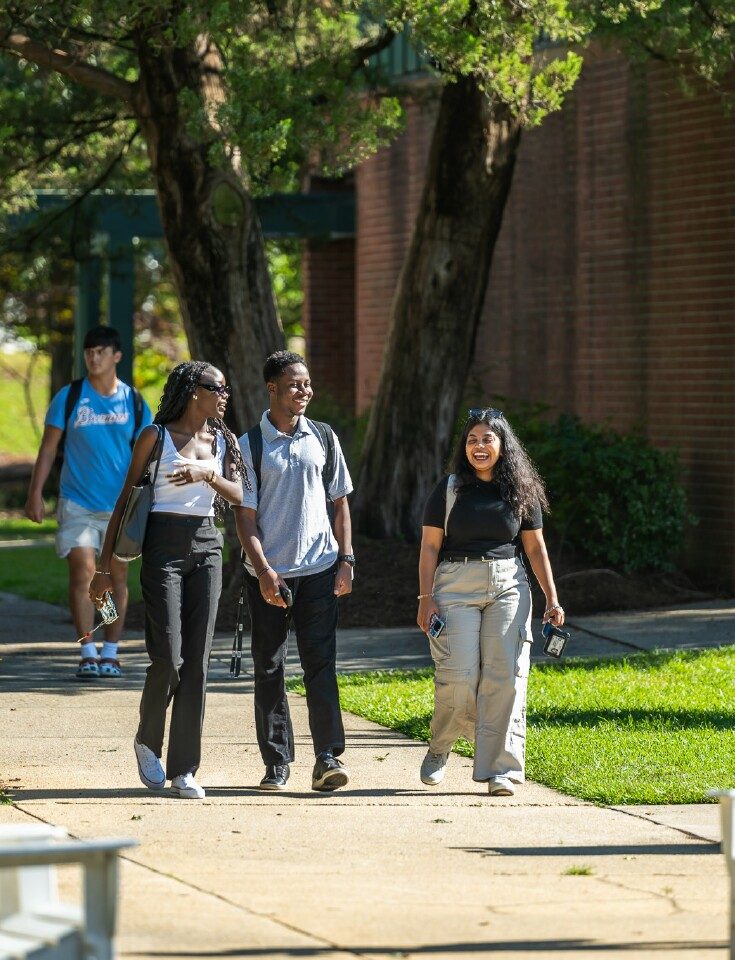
x: 433, y: 768
x: 500, y: 787
x: 149, y: 767
x: 186, y: 787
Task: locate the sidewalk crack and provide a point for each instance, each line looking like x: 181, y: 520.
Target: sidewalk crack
x: 669, y: 898
x: 261, y: 915
x: 686, y: 833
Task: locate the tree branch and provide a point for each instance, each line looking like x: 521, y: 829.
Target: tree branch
x: 26, y: 239
x: 74, y: 31
x: 57, y: 150
x: 95, y: 78
x: 372, y: 48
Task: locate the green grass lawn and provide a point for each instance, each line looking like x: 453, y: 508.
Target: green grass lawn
x: 653, y: 728
x: 17, y: 435
x: 19, y: 528
x: 36, y: 573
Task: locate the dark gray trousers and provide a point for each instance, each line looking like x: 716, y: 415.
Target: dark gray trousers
x: 181, y: 577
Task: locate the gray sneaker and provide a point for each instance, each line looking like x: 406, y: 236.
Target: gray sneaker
x: 433, y: 768
x: 149, y: 767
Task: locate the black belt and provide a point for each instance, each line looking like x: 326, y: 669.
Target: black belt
x: 465, y: 557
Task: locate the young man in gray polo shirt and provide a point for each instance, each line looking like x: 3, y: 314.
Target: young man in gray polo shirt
x: 285, y: 531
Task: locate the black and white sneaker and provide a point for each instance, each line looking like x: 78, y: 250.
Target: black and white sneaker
x: 329, y: 773
x: 276, y: 777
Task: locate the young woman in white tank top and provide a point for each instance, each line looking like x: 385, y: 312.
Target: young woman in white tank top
x: 195, y: 498
x: 200, y: 470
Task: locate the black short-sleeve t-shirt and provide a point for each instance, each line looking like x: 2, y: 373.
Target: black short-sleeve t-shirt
x: 481, y: 523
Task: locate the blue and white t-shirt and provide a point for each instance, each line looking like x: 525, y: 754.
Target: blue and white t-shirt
x: 97, y: 446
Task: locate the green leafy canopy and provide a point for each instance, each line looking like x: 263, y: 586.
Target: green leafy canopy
x: 285, y: 92
x: 289, y: 88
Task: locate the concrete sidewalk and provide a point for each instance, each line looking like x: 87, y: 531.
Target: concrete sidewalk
x: 384, y: 868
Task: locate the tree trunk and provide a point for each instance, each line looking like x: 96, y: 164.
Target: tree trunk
x: 60, y: 323
x: 61, y: 349
x: 436, y: 310
x: 211, y: 228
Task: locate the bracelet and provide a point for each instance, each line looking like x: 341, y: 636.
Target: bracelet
x: 210, y: 478
x: 556, y: 606
x: 424, y: 596
x: 103, y: 573
x: 259, y: 575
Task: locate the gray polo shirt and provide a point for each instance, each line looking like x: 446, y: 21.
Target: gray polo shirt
x: 293, y: 524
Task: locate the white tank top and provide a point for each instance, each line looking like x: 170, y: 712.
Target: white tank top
x: 192, y: 499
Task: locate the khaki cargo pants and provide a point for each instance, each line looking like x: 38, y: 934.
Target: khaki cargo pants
x: 482, y: 659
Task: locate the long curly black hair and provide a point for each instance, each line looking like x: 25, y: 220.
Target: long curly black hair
x: 178, y: 389
x: 519, y: 481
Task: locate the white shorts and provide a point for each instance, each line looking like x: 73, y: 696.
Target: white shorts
x: 79, y: 527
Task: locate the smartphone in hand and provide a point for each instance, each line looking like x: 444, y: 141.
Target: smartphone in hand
x: 286, y: 594
x: 436, y: 625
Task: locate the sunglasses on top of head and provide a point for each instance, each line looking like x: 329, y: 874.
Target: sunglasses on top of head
x: 221, y: 389
x: 484, y: 413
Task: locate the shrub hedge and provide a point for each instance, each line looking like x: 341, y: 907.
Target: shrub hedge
x: 615, y: 497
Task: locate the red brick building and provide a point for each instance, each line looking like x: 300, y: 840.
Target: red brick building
x: 612, y: 293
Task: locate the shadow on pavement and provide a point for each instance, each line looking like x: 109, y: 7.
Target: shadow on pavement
x: 602, y: 850
x: 21, y: 795
x: 622, y: 718
x: 541, y: 947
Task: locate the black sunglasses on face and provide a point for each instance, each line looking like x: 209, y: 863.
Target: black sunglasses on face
x: 223, y: 391
x: 484, y: 413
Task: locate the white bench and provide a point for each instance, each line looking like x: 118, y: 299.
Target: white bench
x: 34, y: 925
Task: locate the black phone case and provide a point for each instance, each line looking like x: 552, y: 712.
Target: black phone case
x: 555, y: 641
x: 554, y: 646
x: 286, y: 594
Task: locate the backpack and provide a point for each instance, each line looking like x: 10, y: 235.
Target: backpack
x: 326, y: 437
x: 451, y: 497
x: 72, y: 399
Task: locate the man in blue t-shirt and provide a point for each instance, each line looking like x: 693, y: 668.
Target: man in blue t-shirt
x: 99, y: 430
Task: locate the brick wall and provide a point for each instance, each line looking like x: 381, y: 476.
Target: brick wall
x: 612, y: 293
x: 329, y: 317
x: 388, y: 191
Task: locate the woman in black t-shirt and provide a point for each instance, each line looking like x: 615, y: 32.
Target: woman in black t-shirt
x: 477, y: 522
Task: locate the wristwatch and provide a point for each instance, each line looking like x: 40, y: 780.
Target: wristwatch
x: 347, y: 558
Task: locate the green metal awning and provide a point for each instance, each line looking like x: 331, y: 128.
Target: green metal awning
x: 106, y: 225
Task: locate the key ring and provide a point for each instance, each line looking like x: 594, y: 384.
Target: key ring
x: 108, y: 612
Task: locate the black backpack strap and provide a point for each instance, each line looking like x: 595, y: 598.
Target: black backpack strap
x: 326, y: 437
x: 72, y: 399
x: 137, y: 415
x: 255, y: 439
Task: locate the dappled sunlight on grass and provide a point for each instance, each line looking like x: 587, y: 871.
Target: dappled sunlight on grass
x: 652, y: 728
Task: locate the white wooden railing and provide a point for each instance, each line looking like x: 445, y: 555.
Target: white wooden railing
x: 33, y: 922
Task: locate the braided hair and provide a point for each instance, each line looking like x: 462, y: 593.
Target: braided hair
x: 177, y: 391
